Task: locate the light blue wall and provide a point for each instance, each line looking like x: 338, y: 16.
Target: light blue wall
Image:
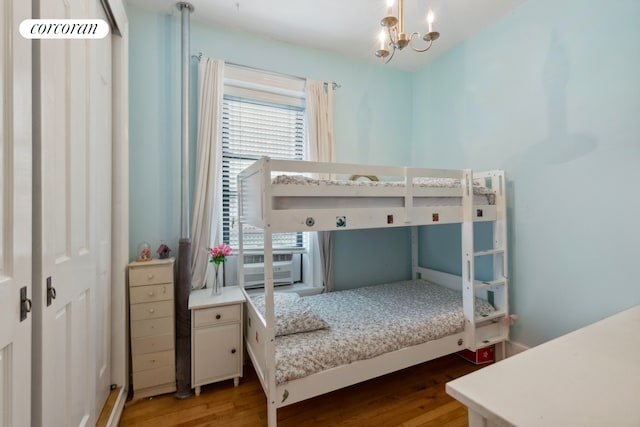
x: 370, y: 257
x: 551, y: 95
x: 371, y: 114
x: 154, y: 130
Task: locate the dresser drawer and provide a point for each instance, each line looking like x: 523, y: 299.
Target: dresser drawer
x: 150, y: 275
x: 154, y: 377
x: 138, y: 294
x: 152, y: 327
x: 146, y: 345
x: 151, y: 310
x: 143, y: 362
x: 216, y: 315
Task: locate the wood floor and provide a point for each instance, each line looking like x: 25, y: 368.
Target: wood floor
x: 409, y: 398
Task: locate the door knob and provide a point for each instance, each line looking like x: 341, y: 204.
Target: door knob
x: 25, y: 303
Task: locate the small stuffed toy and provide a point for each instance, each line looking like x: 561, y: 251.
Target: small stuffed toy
x: 163, y: 251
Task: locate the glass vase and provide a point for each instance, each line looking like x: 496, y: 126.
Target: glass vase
x: 216, y: 286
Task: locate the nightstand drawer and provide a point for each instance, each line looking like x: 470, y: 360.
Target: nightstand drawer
x: 143, y: 362
x: 152, y: 327
x: 217, y: 315
x: 151, y: 310
x: 151, y: 293
x: 151, y: 344
x: 151, y: 275
x: 154, y: 377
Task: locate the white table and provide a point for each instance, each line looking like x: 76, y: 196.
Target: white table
x: 589, y: 377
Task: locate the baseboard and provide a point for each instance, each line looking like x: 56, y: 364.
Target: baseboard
x: 514, y: 348
x: 118, y: 408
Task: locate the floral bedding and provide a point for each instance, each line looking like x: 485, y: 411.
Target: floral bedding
x: 478, y: 190
x: 369, y: 321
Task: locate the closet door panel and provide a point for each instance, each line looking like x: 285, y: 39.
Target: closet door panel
x: 73, y: 193
x: 15, y: 216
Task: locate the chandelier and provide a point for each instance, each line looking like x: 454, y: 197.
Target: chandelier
x: 392, y: 36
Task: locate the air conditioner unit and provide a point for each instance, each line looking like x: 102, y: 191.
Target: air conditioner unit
x: 285, y: 266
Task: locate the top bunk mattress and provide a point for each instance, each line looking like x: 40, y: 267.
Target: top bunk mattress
x: 365, y: 322
x: 298, y: 192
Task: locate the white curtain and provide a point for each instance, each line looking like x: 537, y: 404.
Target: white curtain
x: 206, y: 225
x: 319, y: 96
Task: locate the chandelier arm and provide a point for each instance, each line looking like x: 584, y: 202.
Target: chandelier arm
x: 415, y: 48
x: 393, y: 38
x: 393, y: 52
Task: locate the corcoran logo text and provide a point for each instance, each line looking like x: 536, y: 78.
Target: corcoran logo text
x: 64, y: 29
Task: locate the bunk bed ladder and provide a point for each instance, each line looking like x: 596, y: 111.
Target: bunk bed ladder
x: 482, y: 331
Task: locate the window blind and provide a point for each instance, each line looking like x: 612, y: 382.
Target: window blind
x: 252, y: 129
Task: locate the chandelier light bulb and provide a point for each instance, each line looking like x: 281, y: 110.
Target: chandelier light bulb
x: 382, y: 37
x: 389, y: 7
x: 430, y: 19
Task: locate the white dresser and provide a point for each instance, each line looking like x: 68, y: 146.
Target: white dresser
x: 216, y: 336
x: 152, y: 320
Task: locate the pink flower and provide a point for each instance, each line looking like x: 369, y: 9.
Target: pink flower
x: 219, y: 253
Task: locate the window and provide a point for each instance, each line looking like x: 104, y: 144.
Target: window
x: 255, y: 125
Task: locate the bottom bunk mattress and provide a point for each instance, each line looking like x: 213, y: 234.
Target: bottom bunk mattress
x: 346, y: 326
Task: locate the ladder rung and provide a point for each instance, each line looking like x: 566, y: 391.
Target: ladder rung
x: 478, y: 284
x: 490, y: 341
x: 489, y: 252
x: 490, y: 316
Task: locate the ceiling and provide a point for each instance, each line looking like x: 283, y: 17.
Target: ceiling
x: 346, y: 27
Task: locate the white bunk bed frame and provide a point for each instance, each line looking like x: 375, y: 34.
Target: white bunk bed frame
x: 256, y: 204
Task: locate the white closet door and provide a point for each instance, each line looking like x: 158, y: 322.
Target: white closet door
x: 71, y: 345
x: 100, y: 207
x: 15, y: 215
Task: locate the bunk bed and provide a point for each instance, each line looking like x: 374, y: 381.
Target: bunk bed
x: 285, y: 334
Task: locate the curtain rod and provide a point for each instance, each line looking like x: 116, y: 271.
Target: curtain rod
x: 334, y: 85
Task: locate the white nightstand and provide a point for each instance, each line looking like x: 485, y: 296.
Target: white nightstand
x: 216, y: 336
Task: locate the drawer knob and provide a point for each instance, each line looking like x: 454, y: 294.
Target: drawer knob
x: 218, y: 316
x: 150, y: 276
x: 151, y: 294
x: 152, y: 310
x: 233, y: 351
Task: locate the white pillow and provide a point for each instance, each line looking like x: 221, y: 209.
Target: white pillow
x: 292, y: 313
